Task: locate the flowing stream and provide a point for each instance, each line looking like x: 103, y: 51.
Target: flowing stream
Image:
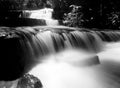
x: 61, y: 57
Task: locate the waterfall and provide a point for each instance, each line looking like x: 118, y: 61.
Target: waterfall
x: 109, y: 36
x: 59, y: 52
x: 45, y: 14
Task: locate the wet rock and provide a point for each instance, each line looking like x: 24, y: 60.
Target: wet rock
x: 29, y: 81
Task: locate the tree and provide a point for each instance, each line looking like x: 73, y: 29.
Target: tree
x: 113, y: 20
x: 75, y: 17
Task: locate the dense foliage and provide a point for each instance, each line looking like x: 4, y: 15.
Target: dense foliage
x: 24, y: 4
x: 102, y: 14
x: 74, y: 18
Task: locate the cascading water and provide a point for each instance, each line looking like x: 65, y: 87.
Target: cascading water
x: 61, y: 57
x: 45, y: 14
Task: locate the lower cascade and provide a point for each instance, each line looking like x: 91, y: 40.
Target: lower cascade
x: 60, y: 57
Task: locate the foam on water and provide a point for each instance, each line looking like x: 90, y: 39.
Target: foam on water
x: 60, y: 57
x: 110, y: 52
x: 67, y: 70
x: 61, y: 70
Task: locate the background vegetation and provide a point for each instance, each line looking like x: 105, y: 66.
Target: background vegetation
x: 102, y: 14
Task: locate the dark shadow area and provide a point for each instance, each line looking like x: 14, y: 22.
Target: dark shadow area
x: 17, y: 22
x: 11, y: 64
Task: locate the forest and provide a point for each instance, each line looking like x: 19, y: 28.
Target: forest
x: 102, y: 14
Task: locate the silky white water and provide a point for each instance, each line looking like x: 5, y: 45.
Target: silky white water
x: 45, y: 14
x: 61, y: 57
x: 68, y: 50
x: 62, y: 71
